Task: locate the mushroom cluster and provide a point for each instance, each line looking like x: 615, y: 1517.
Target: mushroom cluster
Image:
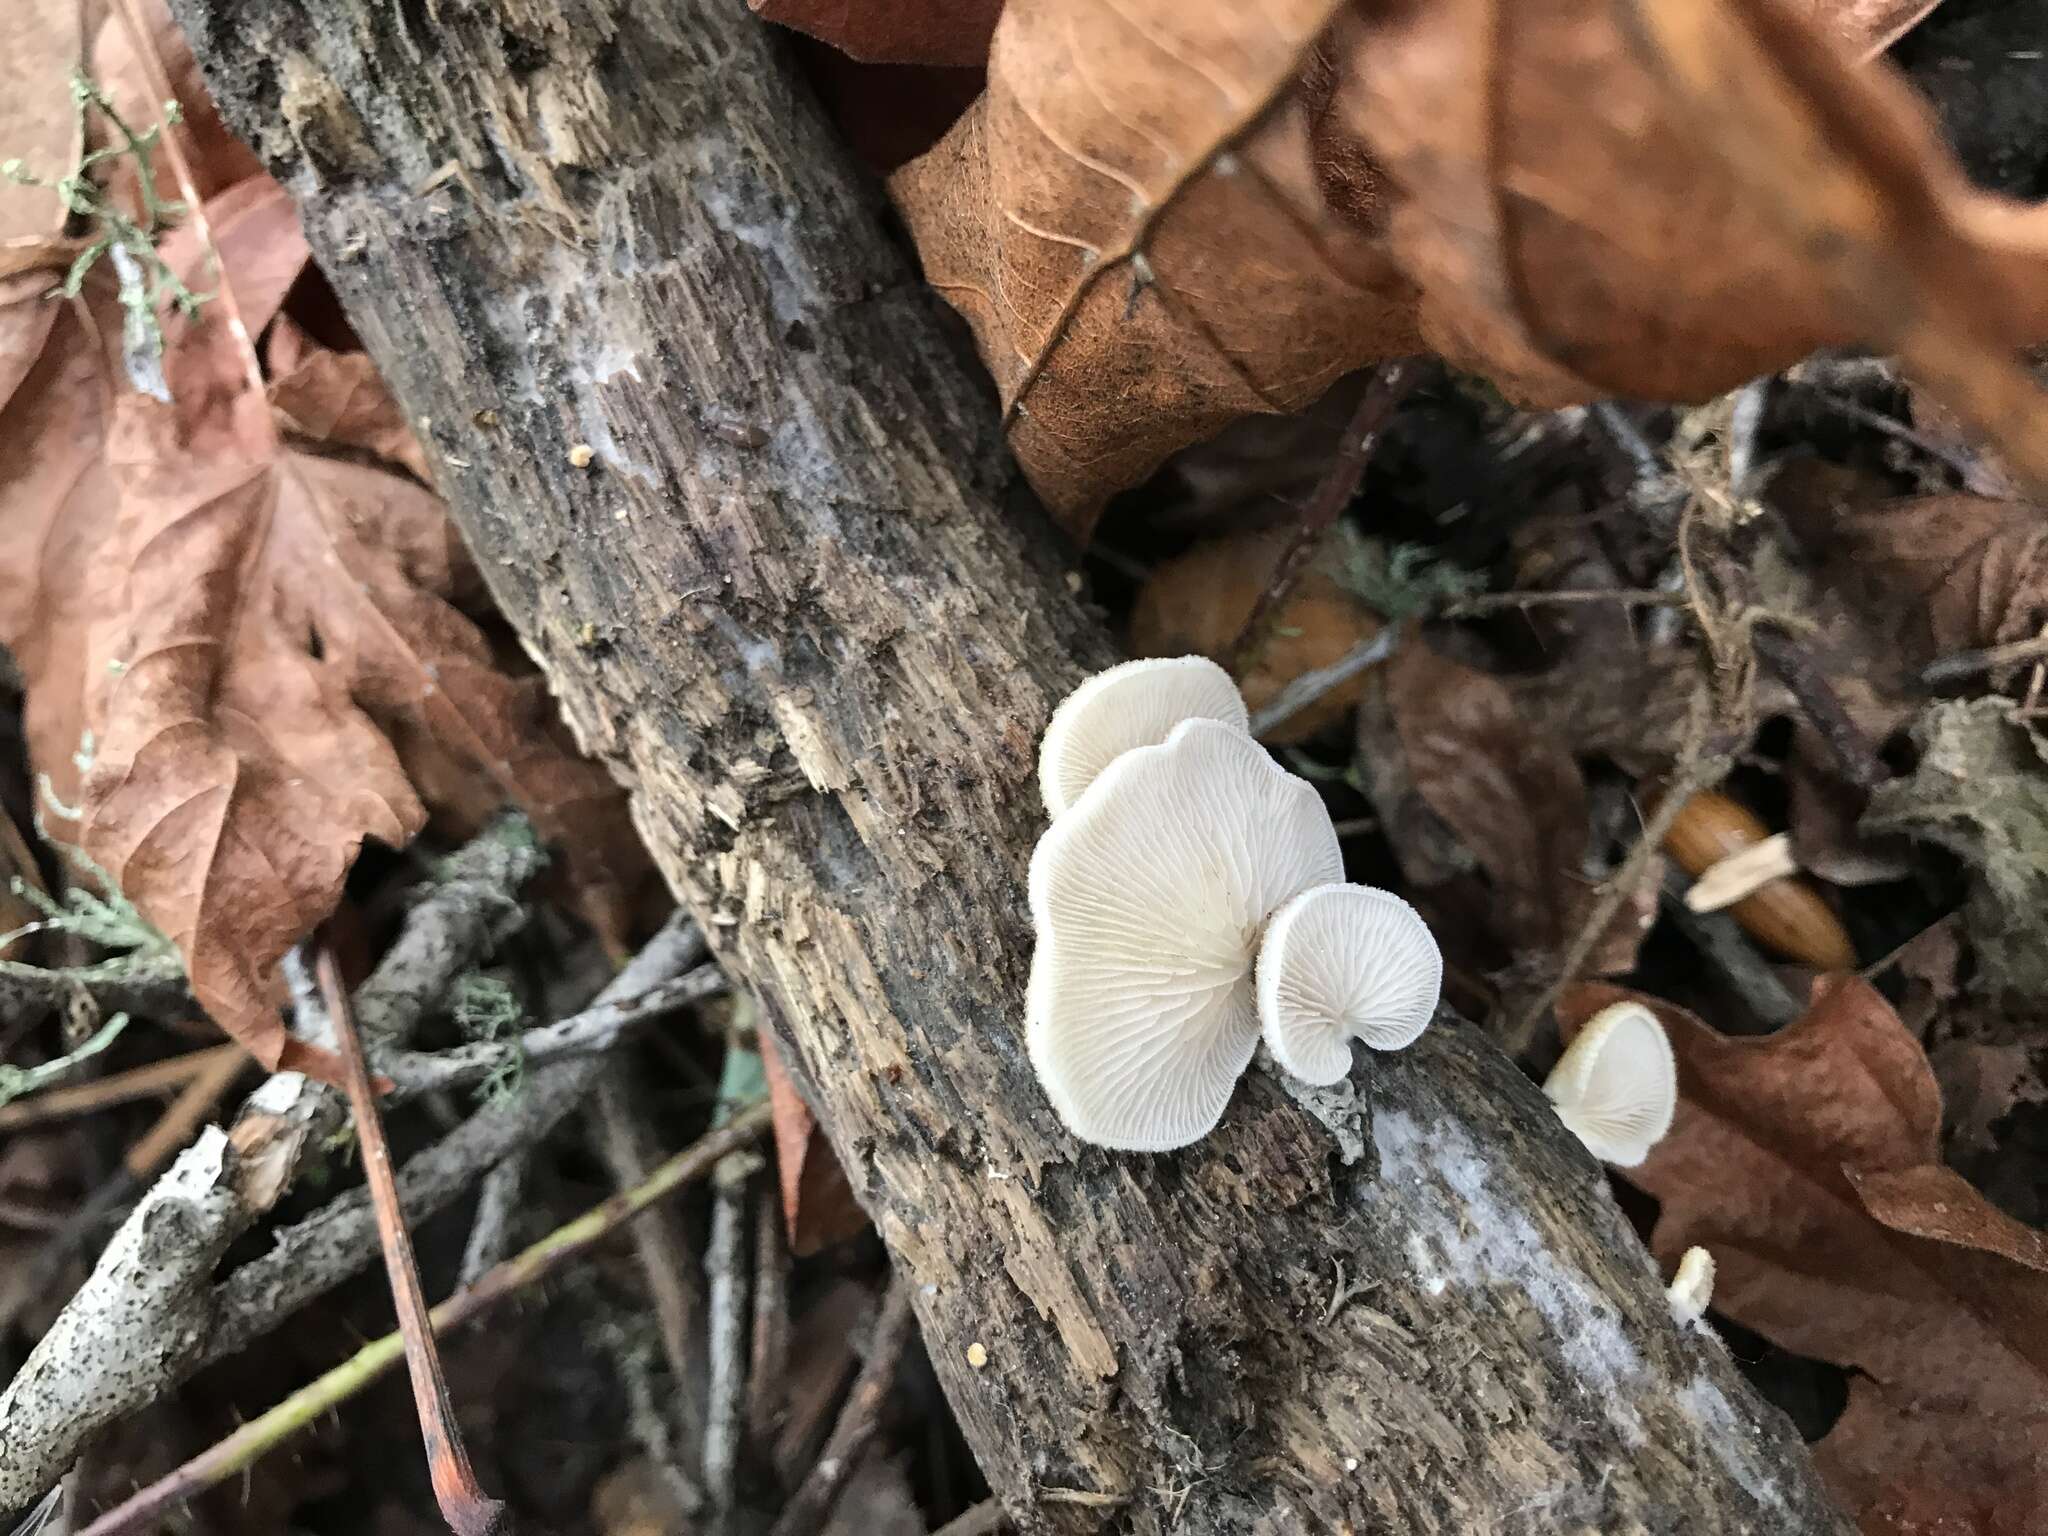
x: 1188, y: 898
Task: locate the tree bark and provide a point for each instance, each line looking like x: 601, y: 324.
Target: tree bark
x: 787, y: 602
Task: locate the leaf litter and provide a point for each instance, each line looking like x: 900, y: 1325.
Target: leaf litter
x: 241, y: 614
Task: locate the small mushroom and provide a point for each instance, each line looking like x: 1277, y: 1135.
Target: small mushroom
x: 1133, y: 705
x: 1616, y: 1088
x: 1149, y: 897
x: 1692, y: 1288
x: 1342, y: 963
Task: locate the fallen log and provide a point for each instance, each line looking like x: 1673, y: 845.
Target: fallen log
x: 723, y: 463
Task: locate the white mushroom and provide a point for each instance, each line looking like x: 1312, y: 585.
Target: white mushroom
x: 1149, y: 896
x: 1616, y: 1088
x: 1133, y: 705
x: 1342, y: 963
x: 1692, y: 1288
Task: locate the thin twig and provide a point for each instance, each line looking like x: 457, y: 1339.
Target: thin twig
x: 1723, y: 945
x: 859, y: 1419
x: 1331, y: 496
x: 1306, y: 689
x: 590, y: 1033
x: 769, y: 1353
x: 1849, y: 749
x: 1628, y: 597
x: 148, y: 1082
x: 499, y: 1205
x: 725, y: 1270
x: 985, y: 1519
x: 468, y: 1510
x: 1954, y: 668
x: 667, y: 1263
x: 1694, y: 771
x: 144, y: 44
x: 310, y: 1403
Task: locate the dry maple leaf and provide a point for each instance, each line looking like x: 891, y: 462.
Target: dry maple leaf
x: 1129, y: 220
x: 339, y: 399
x: 39, y: 127
x: 259, y: 647
x: 215, y: 158
x: 1807, y: 1162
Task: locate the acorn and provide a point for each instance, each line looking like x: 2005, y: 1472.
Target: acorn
x: 1785, y: 914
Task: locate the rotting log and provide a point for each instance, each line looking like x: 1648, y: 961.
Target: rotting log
x: 789, y: 603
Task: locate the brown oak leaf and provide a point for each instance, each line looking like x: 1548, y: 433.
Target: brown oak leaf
x: 1129, y: 220
x: 1807, y: 1162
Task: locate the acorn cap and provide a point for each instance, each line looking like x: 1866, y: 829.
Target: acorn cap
x: 1149, y: 897
x: 1133, y: 705
x: 1616, y: 1088
x: 1342, y: 963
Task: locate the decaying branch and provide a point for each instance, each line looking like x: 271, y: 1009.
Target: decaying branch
x: 778, y: 587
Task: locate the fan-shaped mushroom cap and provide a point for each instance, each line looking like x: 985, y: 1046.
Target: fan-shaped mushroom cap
x: 1344, y: 962
x: 1133, y: 705
x: 1692, y: 1288
x: 1149, y: 896
x: 1616, y: 1088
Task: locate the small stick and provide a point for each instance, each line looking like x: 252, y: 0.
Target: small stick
x: 725, y: 1266
x: 1848, y: 748
x: 312, y: 1402
x: 468, y: 1510
x: 115, y: 1088
x: 1332, y: 495
x: 1954, y: 668
x: 1628, y: 597
x: 770, y: 1347
x: 1696, y: 771
x: 668, y: 1265
x: 1312, y: 685
x: 498, y: 1208
x: 985, y: 1519
x: 1723, y: 945
x: 173, y: 1128
x: 858, y: 1420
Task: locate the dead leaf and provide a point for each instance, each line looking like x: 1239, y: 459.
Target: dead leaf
x: 216, y: 159
x: 1129, y: 220
x: 274, y: 615
x: 1198, y: 603
x: 1139, y: 219
x: 1960, y: 572
x: 250, y: 642
x: 340, y: 399
x: 818, y: 1208
x: 1514, y: 796
x: 945, y: 32
x: 1864, y: 27
x: 43, y: 46
x: 1980, y: 789
x: 1807, y: 1163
